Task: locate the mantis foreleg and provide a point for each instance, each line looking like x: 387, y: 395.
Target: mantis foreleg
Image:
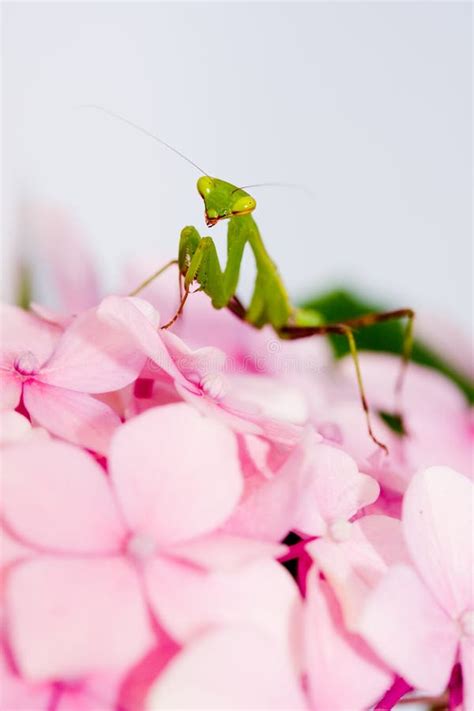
x: 199, y: 262
x: 205, y: 268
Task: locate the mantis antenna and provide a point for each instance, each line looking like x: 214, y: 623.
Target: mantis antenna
x: 114, y: 115
x: 294, y: 186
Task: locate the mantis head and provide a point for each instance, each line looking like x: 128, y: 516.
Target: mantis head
x: 223, y: 200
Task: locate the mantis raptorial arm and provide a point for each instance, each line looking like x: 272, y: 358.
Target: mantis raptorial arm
x: 198, y: 261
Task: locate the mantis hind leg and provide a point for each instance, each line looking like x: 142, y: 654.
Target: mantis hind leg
x: 407, y: 344
x: 294, y: 332
x: 346, y: 328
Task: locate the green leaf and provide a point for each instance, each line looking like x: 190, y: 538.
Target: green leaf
x: 395, y: 422
x: 341, y: 304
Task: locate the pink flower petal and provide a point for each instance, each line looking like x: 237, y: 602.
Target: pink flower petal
x: 240, y: 418
x: 348, y: 419
x: 73, y: 416
x: 22, y: 331
x: 13, y: 427
x: 85, y: 616
x: 10, y: 389
x: 343, y: 672
x: 137, y: 681
x: 65, y: 253
x: 437, y: 523
x: 96, y: 693
x: 20, y: 695
x: 269, y: 506
x: 80, y: 700
x: 245, y: 403
x: 201, y: 325
x: 56, y: 497
x: 331, y: 487
x: 276, y: 400
x: 233, y: 668
x: 93, y: 355
x: 435, y: 414
x: 11, y: 549
x: 407, y: 628
x: 176, y: 473
x: 467, y: 663
x: 194, y: 364
x: 52, y: 317
x: 188, y: 601
x: 380, y: 372
x: 138, y: 321
x: 355, y: 566
x: 223, y: 551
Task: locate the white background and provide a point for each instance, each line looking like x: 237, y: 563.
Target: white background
x: 366, y: 104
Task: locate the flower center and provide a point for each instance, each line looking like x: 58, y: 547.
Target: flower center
x: 467, y: 623
x: 213, y: 385
x: 26, y: 363
x: 340, y: 530
x: 141, y: 546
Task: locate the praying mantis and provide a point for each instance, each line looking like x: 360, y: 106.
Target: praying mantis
x: 200, y: 269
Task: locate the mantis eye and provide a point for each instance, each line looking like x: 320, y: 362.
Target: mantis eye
x: 246, y: 203
x: 205, y: 185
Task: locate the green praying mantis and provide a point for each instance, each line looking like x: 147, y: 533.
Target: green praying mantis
x: 200, y: 270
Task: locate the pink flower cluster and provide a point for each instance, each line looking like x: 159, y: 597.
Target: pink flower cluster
x: 194, y: 526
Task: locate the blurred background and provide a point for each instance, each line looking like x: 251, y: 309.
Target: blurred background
x: 367, y: 105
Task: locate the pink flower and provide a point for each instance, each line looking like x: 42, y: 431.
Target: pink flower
x: 260, y: 406
x: 332, y: 488
x: 314, y: 664
x: 436, y: 417
x: 61, y: 251
x: 18, y: 694
x: 156, y: 577
x: 201, y: 325
x: 245, y: 405
x: 56, y: 372
x: 342, y: 671
x: 315, y: 489
x: 421, y: 617
x: 233, y: 667
x: 96, y: 542
x: 260, y: 593
x: 15, y: 427
x: 355, y: 562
